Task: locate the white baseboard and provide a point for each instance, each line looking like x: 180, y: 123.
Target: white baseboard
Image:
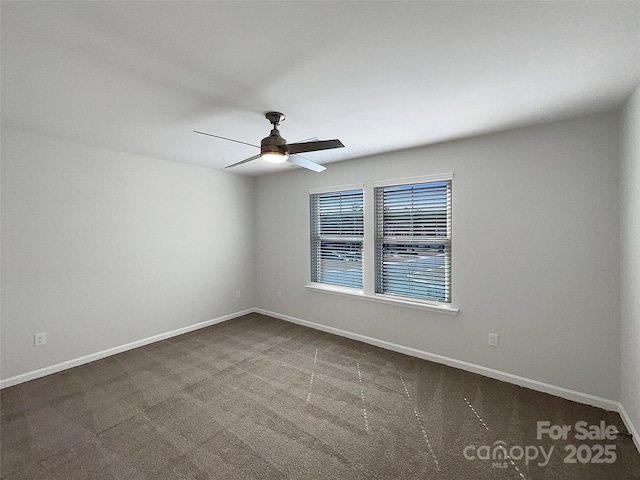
x: 25, y: 377
x: 630, y: 426
x: 562, y: 392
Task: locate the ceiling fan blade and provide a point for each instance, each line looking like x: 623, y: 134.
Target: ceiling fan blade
x: 225, y: 138
x: 255, y: 157
x: 304, y: 163
x: 314, y: 146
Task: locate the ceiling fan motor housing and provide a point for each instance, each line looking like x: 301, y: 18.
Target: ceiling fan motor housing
x: 274, y: 143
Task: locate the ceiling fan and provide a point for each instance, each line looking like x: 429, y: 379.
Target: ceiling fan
x: 275, y: 149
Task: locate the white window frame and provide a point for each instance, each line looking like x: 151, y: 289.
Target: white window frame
x: 315, y: 238
x: 368, y: 292
x: 381, y: 240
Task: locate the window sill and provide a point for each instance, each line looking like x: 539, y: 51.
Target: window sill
x: 389, y: 300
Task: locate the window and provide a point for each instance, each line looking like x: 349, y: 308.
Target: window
x: 337, y: 230
x: 413, y: 239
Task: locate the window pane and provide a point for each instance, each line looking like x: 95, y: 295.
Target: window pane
x: 415, y: 210
x: 340, y: 213
x: 341, y: 263
x: 415, y: 270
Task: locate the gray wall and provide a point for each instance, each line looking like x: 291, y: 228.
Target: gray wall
x: 101, y: 248
x: 535, y: 253
x: 630, y: 260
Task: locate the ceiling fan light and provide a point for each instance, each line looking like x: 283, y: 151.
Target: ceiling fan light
x: 275, y: 157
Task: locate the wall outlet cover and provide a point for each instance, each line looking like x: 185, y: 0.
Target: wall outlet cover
x: 39, y: 339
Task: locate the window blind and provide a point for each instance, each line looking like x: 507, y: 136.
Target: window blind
x: 413, y: 240
x: 337, y: 230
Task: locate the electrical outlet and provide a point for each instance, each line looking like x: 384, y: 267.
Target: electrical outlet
x: 39, y: 339
x: 237, y: 293
x: 493, y: 339
x: 279, y: 295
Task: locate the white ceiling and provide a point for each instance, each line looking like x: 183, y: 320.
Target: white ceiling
x: 141, y: 76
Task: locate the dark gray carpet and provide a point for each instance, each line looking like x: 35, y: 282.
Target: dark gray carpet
x: 259, y: 398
